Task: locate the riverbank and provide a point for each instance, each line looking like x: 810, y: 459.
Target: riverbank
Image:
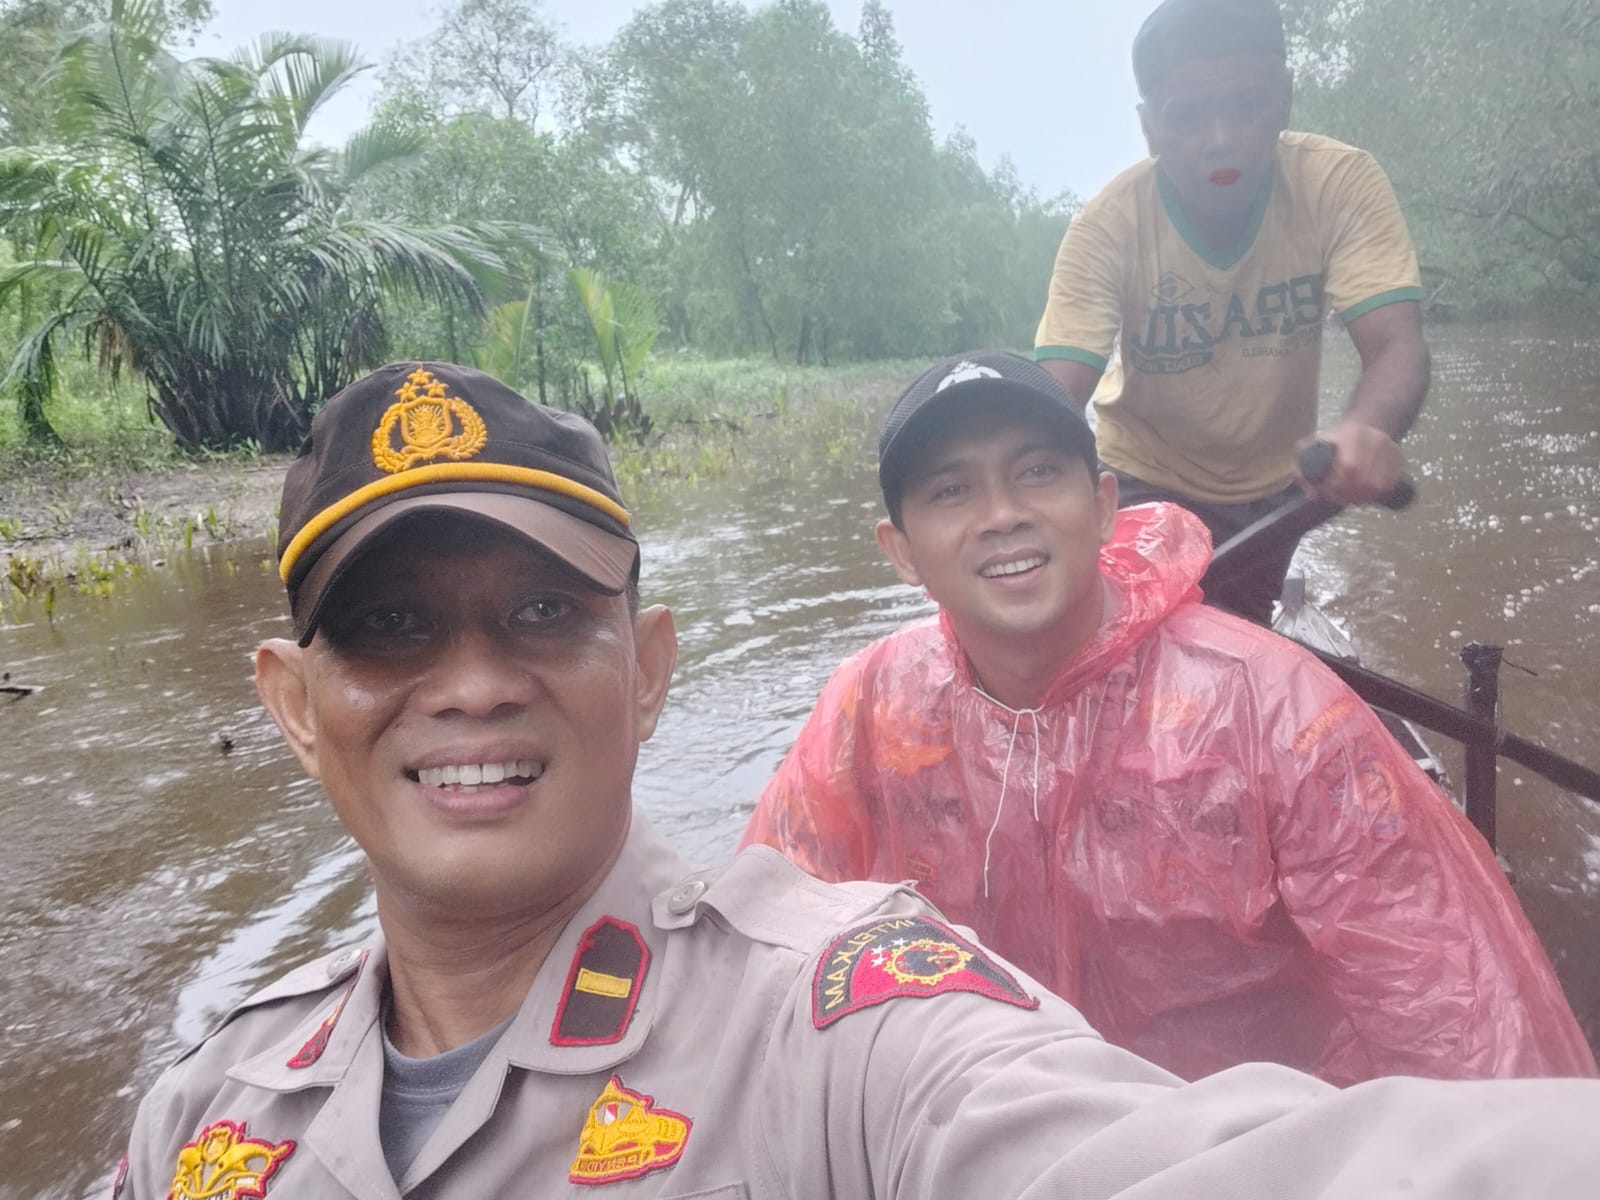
x: 81, y: 517
x: 76, y: 523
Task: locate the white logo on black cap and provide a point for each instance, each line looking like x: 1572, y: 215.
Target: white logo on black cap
x: 964, y: 371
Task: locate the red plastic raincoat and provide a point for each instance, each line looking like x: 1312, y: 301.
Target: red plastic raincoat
x: 1201, y: 838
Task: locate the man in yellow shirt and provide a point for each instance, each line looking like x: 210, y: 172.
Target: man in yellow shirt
x: 1213, y: 263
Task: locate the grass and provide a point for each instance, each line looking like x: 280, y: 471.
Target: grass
x: 100, y: 423
x: 715, y: 419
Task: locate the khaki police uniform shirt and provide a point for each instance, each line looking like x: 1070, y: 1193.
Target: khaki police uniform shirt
x: 1220, y: 350
x: 755, y: 1033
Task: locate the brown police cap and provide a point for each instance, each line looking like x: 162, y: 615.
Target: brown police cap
x: 435, y: 437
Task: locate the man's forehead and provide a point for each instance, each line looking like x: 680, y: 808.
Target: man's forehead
x: 1198, y: 78
x: 963, y: 437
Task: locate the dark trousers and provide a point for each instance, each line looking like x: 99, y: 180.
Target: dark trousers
x: 1250, y: 593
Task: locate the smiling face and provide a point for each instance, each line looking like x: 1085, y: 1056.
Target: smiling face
x: 1002, y: 523
x: 1214, y: 123
x: 473, y: 712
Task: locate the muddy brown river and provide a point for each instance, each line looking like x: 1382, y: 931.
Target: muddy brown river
x: 150, y: 880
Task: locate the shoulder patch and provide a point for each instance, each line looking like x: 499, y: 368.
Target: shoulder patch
x: 904, y: 956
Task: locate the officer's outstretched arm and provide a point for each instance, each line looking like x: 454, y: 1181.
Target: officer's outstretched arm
x: 919, y: 1066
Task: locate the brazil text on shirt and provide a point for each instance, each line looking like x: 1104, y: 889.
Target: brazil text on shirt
x: 1178, y: 337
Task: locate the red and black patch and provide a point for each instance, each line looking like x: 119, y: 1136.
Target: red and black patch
x: 121, y: 1179
x: 905, y: 956
x: 603, y: 985
x: 318, y: 1041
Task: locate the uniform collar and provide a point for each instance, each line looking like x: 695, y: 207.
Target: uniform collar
x: 320, y: 1049
x: 647, y: 868
x: 649, y: 890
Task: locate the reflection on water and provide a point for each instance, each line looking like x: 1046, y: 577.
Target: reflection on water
x: 151, y: 880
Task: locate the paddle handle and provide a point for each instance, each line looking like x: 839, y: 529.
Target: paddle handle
x: 1316, y: 461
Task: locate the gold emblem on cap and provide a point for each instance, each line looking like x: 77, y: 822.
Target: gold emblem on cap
x: 432, y: 426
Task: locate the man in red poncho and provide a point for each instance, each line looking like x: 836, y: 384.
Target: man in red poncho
x: 1181, y: 822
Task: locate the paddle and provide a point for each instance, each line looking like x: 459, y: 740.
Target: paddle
x: 1292, y: 519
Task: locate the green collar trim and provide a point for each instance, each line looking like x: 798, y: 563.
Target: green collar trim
x: 1224, y: 260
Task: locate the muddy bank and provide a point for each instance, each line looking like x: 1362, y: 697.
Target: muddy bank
x: 55, y: 522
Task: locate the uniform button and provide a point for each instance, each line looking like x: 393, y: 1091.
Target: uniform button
x: 682, y: 900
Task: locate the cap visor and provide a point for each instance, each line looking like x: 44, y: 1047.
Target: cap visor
x: 600, y: 558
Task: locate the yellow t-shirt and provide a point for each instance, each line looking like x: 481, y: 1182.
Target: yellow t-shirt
x: 1220, y: 352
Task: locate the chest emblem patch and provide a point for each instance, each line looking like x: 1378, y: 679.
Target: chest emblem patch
x: 625, y: 1136
x: 223, y: 1163
x: 905, y: 956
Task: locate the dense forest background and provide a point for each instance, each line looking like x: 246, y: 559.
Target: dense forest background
x: 716, y: 181
x: 1486, y: 114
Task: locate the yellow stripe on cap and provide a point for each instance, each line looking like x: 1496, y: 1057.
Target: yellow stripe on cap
x: 473, y: 472
x: 598, y: 983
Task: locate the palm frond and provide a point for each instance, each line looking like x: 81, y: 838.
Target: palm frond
x: 376, y: 147
x: 299, y: 73
x: 53, y: 272
x: 188, y: 232
x: 595, y: 297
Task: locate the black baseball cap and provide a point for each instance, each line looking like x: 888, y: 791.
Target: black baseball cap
x: 957, y: 385
x: 418, y: 437
x: 1181, y: 30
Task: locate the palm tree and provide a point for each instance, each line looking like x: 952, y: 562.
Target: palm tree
x: 626, y: 321
x: 186, y: 230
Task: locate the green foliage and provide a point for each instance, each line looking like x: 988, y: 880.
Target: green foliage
x: 626, y: 323
x: 1493, y: 152
x: 31, y: 33
x: 508, y: 342
x: 184, y: 230
x: 768, y: 178
x: 808, y: 213
x: 497, y: 55
x: 98, y: 422
x: 765, y: 182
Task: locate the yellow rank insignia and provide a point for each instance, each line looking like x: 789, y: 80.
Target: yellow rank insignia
x: 431, y: 424
x: 222, y: 1163
x: 625, y: 1136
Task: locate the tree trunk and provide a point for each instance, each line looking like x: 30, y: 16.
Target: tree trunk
x: 538, y: 339
x: 36, y: 427
x: 754, y: 291
x: 450, y: 331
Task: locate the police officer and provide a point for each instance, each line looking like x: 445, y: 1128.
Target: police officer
x: 557, y: 1001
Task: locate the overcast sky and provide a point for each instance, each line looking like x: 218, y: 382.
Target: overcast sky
x: 1046, y: 82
